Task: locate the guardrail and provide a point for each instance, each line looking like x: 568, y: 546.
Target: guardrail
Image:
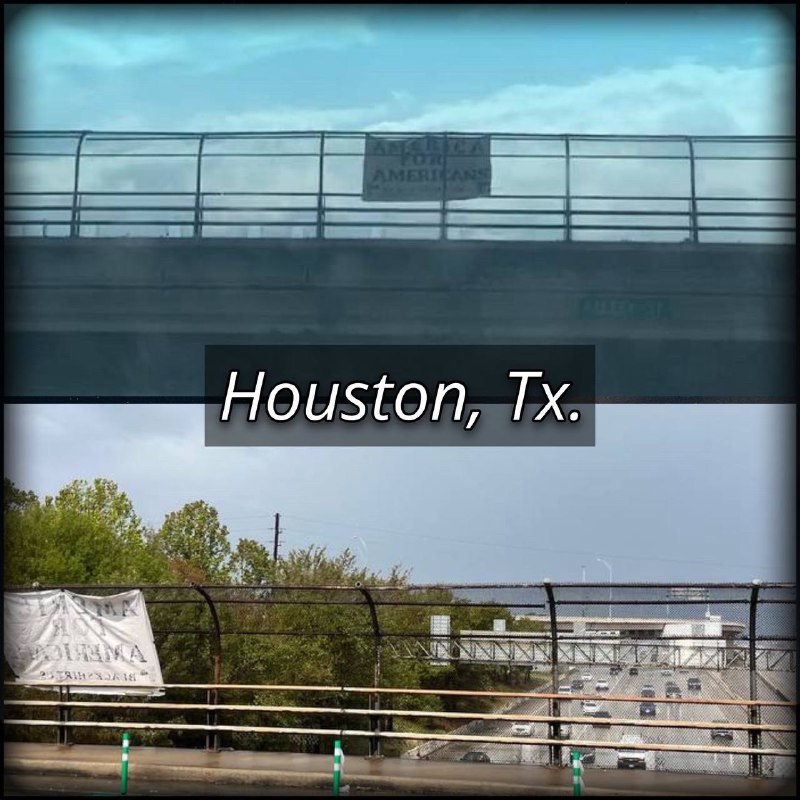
x: 308, y: 185
x: 381, y: 721
x: 567, y: 627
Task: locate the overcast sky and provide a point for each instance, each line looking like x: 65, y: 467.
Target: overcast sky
x: 695, y: 492
x: 678, y: 493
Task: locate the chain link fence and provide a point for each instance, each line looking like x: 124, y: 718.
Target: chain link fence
x: 621, y: 667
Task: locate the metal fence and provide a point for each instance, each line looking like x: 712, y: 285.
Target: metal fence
x: 682, y: 678
x: 309, y: 185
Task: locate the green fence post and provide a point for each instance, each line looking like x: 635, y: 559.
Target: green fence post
x: 125, y: 746
x: 337, y: 766
x: 577, y: 774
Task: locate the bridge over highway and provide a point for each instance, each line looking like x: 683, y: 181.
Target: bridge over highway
x: 674, y: 256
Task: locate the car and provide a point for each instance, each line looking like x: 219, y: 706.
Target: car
x: 629, y: 758
x: 601, y: 686
x: 666, y: 671
x: 477, y: 755
x: 577, y: 685
x: 590, y: 706
x: 721, y: 732
x: 647, y: 709
x: 586, y: 754
x: 633, y: 671
x: 587, y: 676
x: 522, y: 729
x: 615, y: 669
x: 599, y: 719
x: 693, y: 684
x: 565, y: 690
x: 673, y: 691
x: 647, y: 691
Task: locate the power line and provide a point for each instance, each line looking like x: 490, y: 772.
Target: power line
x: 563, y: 551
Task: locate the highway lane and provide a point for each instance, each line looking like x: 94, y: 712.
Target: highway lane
x: 774, y: 686
x: 714, y: 686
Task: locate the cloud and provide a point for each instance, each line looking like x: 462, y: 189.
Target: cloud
x: 684, y: 99
x: 121, y: 39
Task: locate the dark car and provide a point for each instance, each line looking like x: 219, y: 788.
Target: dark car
x: 476, y: 755
x: 722, y: 732
x: 647, y: 709
x: 633, y: 671
x: 693, y: 684
x: 673, y: 691
x: 615, y: 669
x: 577, y: 684
x: 599, y: 719
x: 648, y: 691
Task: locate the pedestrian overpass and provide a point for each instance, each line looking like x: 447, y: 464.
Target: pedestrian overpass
x: 674, y: 256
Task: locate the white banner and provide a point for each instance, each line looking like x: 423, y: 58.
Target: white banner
x: 62, y: 637
x: 411, y: 169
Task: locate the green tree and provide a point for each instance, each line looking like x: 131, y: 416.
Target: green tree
x: 15, y: 499
x: 251, y: 563
x: 102, y: 500
x: 196, y: 543
x: 88, y: 534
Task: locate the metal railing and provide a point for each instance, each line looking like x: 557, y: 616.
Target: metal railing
x: 738, y: 638
x: 340, y: 719
x: 309, y: 185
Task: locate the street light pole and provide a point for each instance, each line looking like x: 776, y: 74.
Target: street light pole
x: 607, y: 565
x: 366, y: 551
x: 583, y: 591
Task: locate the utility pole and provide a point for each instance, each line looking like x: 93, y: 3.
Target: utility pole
x: 277, y: 536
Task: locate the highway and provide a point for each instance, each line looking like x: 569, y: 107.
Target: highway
x: 714, y: 685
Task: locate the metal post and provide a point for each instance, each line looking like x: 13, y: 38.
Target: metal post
x: 212, y: 695
x: 693, y: 201
x: 567, y: 194
x: 198, y: 201
x: 61, y: 732
x: 321, y: 189
x: 337, y: 766
x: 555, y: 728
x: 375, y: 700
x: 74, y: 227
x: 754, y: 711
x: 443, y: 222
x: 577, y: 774
x: 125, y: 748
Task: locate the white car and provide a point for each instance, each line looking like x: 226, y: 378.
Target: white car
x: 586, y: 677
x: 522, y: 729
x: 590, y: 706
x: 601, y: 686
x: 565, y: 690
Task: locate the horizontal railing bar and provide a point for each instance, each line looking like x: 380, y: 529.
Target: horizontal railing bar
x: 424, y: 714
x: 361, y: 210
x: 522, y: 638
x: 288, y: 193
x: 419, y: 587
x: 680, y: 748
x: 344, y: 134
x: 395, y: 691
x: 208, y: 154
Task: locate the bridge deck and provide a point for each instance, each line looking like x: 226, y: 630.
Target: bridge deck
x: 406, y: 775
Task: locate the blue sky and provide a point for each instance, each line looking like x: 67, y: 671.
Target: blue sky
x: 699, y: 69
x: 681, y: 492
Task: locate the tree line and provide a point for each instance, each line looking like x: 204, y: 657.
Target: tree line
x: 89, y: 534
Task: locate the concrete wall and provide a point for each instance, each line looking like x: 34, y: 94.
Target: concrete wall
x: 668, y: 320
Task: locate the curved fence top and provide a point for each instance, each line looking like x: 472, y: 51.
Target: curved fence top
x: 400, y: 185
